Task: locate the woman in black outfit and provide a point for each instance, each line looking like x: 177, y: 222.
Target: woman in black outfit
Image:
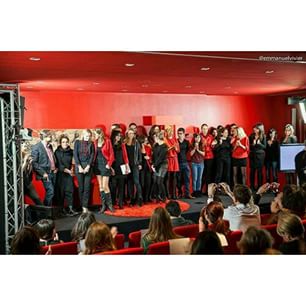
x: 258, y: 144
x: 84, y: 153
x: 159, y: 166
x: 272, y: 156
x: 135, y: 161
x: 64, y: 178
x: 121, y: 160
x: 222, y: 153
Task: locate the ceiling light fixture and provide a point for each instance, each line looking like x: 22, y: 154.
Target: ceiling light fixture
x: 35, y: 59
x: 269, y: 71
x: 129, y: 65
x: 188, y: 86
x: 205, y: 68
x: 95, y: 83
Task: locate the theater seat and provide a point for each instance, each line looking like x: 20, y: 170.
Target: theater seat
x: 159, y: 248
x: 188, y: 231
x: 265, y: 218
x: 65, y: 248
x: 119, y: 240
x: 232, y: 239
x: 127, y: 251
x: 271, y: 228
x: 134, y: 239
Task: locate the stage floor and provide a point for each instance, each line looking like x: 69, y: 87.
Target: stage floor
x: 126, y: 225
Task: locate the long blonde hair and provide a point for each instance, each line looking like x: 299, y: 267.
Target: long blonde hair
x: 240, y: 132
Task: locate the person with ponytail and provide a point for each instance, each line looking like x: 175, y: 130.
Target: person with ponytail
x: 104, y: 158
x: 211, y: 218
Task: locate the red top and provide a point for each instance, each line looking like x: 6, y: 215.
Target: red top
x: 207, y: 142
x: 107, y: 151
x: 148, y: 150
x: 172, y: 142
x: 239, y: 152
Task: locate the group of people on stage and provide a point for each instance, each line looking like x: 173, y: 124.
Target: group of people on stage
x: 135, y: 169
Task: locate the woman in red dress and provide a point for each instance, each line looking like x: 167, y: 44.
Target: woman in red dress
x: 173, y: 165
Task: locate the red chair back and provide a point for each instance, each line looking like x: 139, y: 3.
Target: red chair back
x: 159, y: 248
x: 127, y: 251
x: 265, y: 218
x: 232, y: 239
x: 119, y: 240
x: 65, y: 248
x: 134, y: 239
x: 271, y: 228
x: 188, y: 231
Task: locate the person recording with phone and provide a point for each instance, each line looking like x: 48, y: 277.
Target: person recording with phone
x: 43, y: 161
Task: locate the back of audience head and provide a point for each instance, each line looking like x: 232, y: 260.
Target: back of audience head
x: 98, y: 239
x: 160, y: 227
x: 173, y: 208
x: 25, y: 242
x: 242, y: 194
x: 207, y: 243
x: 213, y: 213
x: 255, y: 241
x: 46, y: 229
x: 80, y: 228
x: 295, y: 202
x: 290, y: 227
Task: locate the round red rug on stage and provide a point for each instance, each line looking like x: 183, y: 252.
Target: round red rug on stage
x: 145, y: 210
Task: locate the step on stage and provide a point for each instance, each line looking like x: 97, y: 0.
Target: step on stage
x: 129, y: 224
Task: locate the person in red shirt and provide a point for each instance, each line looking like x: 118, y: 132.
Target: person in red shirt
x: 104, y: 158
x: 173, y: 165
x: 207, y: 140
x: 240, y: 153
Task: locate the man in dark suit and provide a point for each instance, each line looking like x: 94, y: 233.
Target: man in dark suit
x: 174, y: 210
x: 44, y: 164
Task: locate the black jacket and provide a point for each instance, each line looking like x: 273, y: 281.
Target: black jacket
x: 83, y: 153
x: 300, y: 166
x: 159, y: 156
x: 41, y: 163
x: 137, y: 154
x: 223, y: 150
x: 63, y: 158
x: 180, y: 221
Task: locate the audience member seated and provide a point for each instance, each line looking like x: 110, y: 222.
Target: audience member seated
x: 256, y: 241
x: 174, y: 210
x: 47, y: 232
x: 25, y: 242
x: 207, y: 243
x: 291, y: 229
x: 99, y: 239
x: 243, y: 212
x: 211, y: 218
x: 160, y: 229
x: 80, y: 228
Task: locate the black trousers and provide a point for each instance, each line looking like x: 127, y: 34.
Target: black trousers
x: 146, y: 182
x: 32, y: 194
x: 132, y: 182
x: 223, y: 170
x: 253, y: 172
x: 117, y: 189
x: 84, y: 181
x: 208, y: 175
x: 64, y: 189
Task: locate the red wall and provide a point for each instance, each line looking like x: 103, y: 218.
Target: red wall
x: 59, y: 110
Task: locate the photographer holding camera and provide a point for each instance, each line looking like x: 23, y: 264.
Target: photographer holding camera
x: 243, y: 212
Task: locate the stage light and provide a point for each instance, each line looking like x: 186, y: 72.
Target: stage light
x: 205, y: 68
x: 269, y: 71
x: 129, y: 65
x: 35, y: 59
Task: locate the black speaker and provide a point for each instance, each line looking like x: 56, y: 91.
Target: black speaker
x: 34, y: 213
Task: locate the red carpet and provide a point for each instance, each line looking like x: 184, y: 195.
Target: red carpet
x: 145, y: 210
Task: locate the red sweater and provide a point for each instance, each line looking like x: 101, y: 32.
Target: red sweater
x: 107, y: 151
x: 239, y: 152
x: 148, y: 150
x: 207, y: 142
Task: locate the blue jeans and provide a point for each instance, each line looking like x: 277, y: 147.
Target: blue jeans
x: 197, y: 172
x: 183, y: 176
x: 49, y: 188
x: 271, y: 165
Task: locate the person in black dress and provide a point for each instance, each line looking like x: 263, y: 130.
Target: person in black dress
x: 64, y: 179
x: 104, y: 158
x: 135, y: 163
x: 258, y: 144
x: 222, y: 153
x: 83, y: 154
x: 159, y: 166
x: 118, y: 174
x: 272, y: 156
